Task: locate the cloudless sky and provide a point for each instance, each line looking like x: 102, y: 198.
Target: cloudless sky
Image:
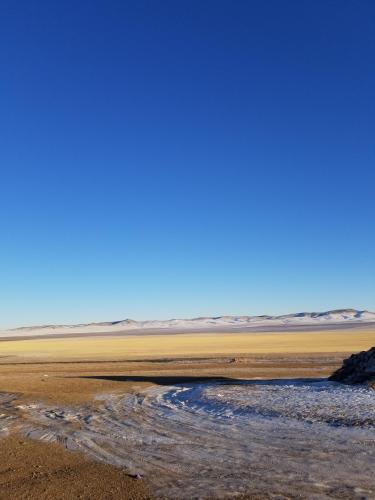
x: 172, y: 158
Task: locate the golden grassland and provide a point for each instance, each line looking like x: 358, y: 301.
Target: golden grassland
x: 193, y: 345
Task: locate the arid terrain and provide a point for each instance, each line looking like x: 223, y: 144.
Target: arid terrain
x: 56, y: 385
x: 108, y: 347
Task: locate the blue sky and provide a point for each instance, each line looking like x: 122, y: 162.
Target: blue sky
x: 174, y: 159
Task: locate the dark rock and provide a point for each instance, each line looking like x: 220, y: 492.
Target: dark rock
x: 357, y: 369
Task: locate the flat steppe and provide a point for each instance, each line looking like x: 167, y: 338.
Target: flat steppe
x: 74, y: 370
x: 113, y: 347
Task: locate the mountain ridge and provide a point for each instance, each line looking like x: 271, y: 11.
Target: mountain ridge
x: 334, y: 316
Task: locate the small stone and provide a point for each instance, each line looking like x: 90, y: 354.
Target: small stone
x: 136, y: 476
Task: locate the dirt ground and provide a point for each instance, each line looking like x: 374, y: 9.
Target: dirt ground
x: 35, y: 470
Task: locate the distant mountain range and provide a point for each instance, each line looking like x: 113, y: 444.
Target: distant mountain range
x: 304, y: 320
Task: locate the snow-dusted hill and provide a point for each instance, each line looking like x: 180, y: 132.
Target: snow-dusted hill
x: 336, y: 317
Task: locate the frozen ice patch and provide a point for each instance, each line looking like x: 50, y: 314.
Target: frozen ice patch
x: 266, y: 439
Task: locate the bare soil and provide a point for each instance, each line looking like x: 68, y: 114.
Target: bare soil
x: 35, y: 470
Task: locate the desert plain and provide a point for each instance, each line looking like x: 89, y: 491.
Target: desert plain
x: 76, y: 373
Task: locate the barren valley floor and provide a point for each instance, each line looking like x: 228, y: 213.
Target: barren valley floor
x: 74, y: 371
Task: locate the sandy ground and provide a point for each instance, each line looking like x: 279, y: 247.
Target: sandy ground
x: 73, y: 371
x: 35, y: 470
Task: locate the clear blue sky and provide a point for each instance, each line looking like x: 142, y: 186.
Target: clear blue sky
x: 180, y: 158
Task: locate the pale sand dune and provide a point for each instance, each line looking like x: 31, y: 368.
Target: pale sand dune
x: 202, y: 344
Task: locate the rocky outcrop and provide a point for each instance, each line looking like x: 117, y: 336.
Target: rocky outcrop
x: 357, y: 369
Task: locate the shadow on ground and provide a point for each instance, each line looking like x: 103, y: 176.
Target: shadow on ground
x: 161, y: 380
x: 174, y: 380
